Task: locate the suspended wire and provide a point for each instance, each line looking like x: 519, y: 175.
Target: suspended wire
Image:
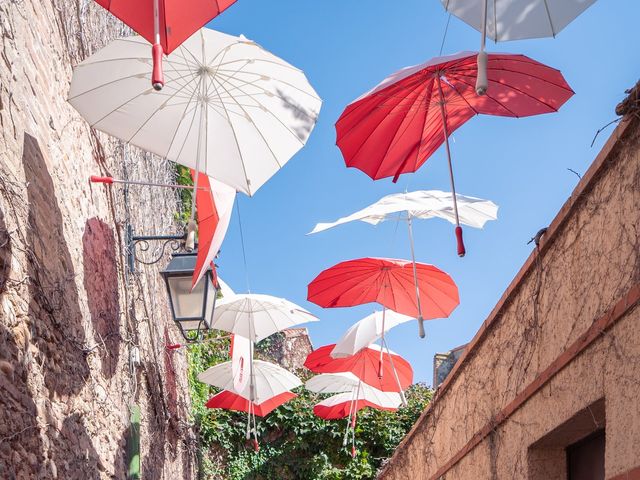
x: 444, y: 36
x: 244, y: 252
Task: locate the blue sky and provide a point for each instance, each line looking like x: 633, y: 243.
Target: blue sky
x: 346, y: 47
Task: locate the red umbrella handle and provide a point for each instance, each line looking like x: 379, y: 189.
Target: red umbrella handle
x: 256, y: 445
x: 353, y: 451
x: 461, y: 249
x: 157, y: 78
x: 97, y: 179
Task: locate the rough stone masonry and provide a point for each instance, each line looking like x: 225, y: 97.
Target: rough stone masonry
x: 70, y: 316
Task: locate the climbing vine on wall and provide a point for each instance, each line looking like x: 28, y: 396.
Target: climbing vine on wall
x: 294, y: 443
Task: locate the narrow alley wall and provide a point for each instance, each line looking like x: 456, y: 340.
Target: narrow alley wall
x: 69, y: 313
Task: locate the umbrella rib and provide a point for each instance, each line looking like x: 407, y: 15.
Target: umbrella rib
x: 424, y: 122
x: 153, y: 114
x: 256, y: 129
x: 260, y: 104
x: 368, y: 137
x: 102, y: 85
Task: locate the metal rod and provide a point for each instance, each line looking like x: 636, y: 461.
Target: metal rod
x: 395, y: 373
x: 415, y: 278
x: 446, y: 141
x: 484, y: 24
x: 156, y: 21
x: 147, y: 184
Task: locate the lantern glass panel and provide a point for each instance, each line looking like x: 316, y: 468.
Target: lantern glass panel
x: 186, y: 303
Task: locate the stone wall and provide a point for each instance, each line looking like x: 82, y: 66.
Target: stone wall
x: 69, y: 313
x: 559, y: 356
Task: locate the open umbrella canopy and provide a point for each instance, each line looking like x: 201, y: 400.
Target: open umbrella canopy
x: 229, y: 108
x: 165, y: 23
x: 363, y: 333
x: 389, y: 282
x: 422, y: 204
x: 177, y: 19
x: 214, y: 205
x: 269, y: 380
x: 343, y: 404
x: 365, y: 365
x: 229, y: 400
x: 517, y: 19
x: 395, y: 127
x: 256, y: 316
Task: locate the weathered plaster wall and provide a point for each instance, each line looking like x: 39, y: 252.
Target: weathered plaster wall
x: 587, y: 264
x: 69, y: 315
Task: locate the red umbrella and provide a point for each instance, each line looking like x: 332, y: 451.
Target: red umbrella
x: 232, y: 401
x: 415, y: 289
x: 394, y: 128
x: 214, y: 205
x: 366, y: 366
x: 165, y: 23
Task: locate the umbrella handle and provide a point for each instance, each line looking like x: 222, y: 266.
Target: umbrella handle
x: 461, y: 249
x: 256, y: 445
x: 97, y: 179
x: 353, y: 451
x: 482, y: 82
x: 157, y: 77
x: 380, y: 372
x: 421, y: 331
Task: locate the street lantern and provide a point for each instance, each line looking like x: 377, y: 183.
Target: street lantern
x: 192, y: 310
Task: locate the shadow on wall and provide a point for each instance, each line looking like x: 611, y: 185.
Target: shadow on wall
x: 5, y: 254
x: 54, y: 311
x: 154, y: 426
x: 101, y: 285
x: 21, y: 448
x: 72, y: 451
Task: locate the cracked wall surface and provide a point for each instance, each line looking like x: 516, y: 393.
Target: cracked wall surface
x: 69, y: 313
x: 587, y: 269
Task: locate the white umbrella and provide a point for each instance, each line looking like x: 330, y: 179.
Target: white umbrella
x: 228, y: 108
x: 513, y: 20
x: 423, y: 204
x: 366, y: 331
x: 382, y: 399
x: 268, y: 380
x: 256, y: 316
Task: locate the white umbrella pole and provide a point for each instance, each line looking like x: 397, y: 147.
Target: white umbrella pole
x: 354, y: 393
x: 395, y: 374
x: 461, y: 249
x: 384, y: 312
x: 157, y: 77
x: 111, y: 180
x: 482, y: 82
x: 415, y: 279
x: 192, y: 226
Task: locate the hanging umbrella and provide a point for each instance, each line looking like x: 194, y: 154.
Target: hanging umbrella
x: 363, y: 333
x: 165, y: 23
x: 343, y: 405
x: 229, y: 108
x: 214, y: 204
x: 389, y: 282
x: 266, y: 381
x: 256, y: 317
x: 269, y: 380
x: 241, y: 353
x: 397, y: 126
x: 349, y: 404
x: 513, y: 20
x: 229, y: 400
x: 423, y: 204
x: 398, y: 374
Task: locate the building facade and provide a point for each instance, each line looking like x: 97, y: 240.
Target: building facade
x: 549, y: 388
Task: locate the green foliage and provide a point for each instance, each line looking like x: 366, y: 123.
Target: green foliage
x: 183, y: 177
x: 294, y: 443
